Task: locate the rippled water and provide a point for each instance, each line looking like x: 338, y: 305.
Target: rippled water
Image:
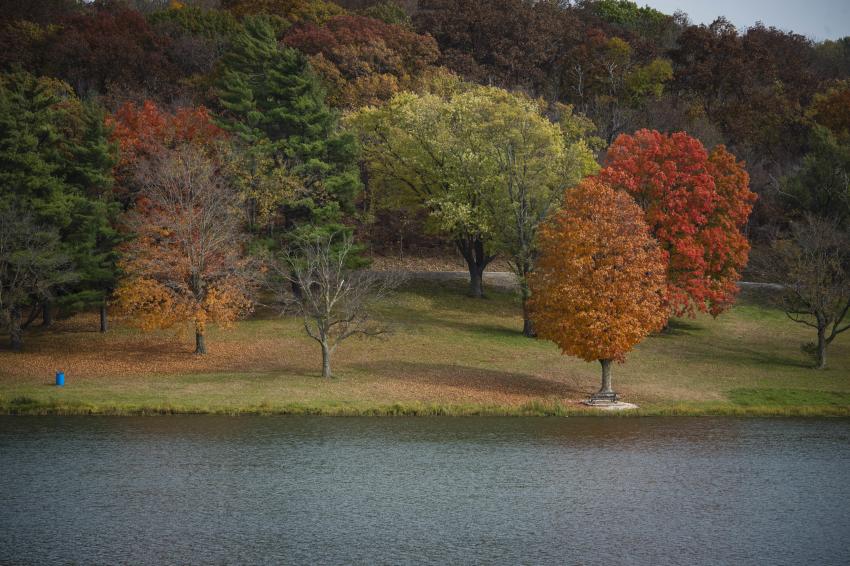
x: 200, y: 489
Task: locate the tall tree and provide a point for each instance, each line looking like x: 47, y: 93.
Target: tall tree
x: 186, y: 263
x: 599, y: 284
x: 533, y: 160
x: 92, y: 235
x: 56, y: 164
x: 487, y: 164
x: 696, y: 205
x: 271, y: 100
x: 421, y: 152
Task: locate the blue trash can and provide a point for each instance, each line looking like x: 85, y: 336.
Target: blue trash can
x: 60, y: 378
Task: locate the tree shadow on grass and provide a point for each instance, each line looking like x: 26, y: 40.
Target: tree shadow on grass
x: 739, y: 353
x: 416, y: 319
x: 453, y: 296
x: 678, y: 327
x: 472, y: 379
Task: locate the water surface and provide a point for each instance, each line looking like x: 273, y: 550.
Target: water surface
x: 203, y: 489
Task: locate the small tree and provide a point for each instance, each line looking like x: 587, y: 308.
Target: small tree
x: 333, y: 299
x: 598, y: 287
x: 32, y: 266
x: 186, y: 263
x: 813, y: 263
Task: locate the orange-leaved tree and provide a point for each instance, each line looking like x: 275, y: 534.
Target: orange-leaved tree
x: 598, y: 286
x: 696, y: 204
x: 187, y: 262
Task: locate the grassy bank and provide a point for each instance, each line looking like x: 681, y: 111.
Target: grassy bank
x: 448, y: 355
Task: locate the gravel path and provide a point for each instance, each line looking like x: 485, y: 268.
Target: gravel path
x: 507, y: 280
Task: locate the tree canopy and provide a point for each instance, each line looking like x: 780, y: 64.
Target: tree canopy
x: 696, y: 204
x: 599, y: 285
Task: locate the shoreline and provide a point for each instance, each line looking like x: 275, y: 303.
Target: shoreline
x: 31, y: 407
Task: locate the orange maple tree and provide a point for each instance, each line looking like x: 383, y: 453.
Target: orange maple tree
x: 186, y: 263
x: 598, y: 287
x: 696, y: 204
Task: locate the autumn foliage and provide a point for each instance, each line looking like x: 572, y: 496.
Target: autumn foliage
x: 186, y: 263
x: 696, y: 204
x: 110, y: 47
x: 363, y: 60
x: 598, y: 287
x: 145, y: 132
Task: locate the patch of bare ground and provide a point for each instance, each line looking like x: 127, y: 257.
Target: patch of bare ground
x: 428, y: 262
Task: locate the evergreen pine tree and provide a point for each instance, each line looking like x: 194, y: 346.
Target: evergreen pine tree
x: 92, y: 237
x: 272, y: 101
x: 55, y: 165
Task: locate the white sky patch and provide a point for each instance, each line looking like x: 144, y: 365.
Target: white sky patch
x: 818, y: 19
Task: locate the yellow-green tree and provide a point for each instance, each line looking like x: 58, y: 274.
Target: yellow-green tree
x: 487, y: 165
x: 532, y: 160
x: 598, y: 286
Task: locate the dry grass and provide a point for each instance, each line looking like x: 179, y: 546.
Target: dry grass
x: 449, y: 354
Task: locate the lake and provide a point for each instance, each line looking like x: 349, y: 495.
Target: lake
x: 205, y: 489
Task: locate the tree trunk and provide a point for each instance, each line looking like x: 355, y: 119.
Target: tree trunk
x: 104, y: 322
x: 200, y: 343
x: 34, y: 311
x: 476, y: 259
x: 326, y: 360
x: 527, y: 323
x: 296, y: 289
x: 15, y: 334
x: 476, y: 282
x: 47, y: 314
x: 821, y: 348
x: 606, y: 376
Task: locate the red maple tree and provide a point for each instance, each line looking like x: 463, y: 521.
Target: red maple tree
x: 144, y: 132
x: 696, y: 204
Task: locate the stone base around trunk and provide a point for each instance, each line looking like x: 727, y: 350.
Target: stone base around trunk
x: 609, y: 405
x: 609, y: 401
x: 602, y: 397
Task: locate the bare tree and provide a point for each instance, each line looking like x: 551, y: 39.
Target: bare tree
x: 333, y: 299
x: 813, y: 263
x: 31, y: 268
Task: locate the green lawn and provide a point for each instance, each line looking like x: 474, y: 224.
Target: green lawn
x: 449, y: 354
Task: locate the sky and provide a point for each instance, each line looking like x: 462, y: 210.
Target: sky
x: 818, y: 19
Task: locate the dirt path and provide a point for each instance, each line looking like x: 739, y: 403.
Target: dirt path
x: 507, y: 280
